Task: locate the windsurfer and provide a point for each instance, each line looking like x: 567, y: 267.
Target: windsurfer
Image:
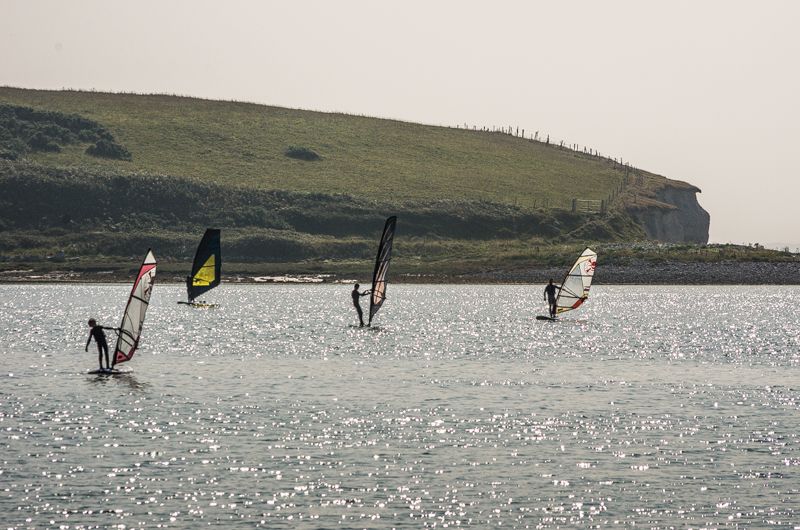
x: 356, y: 295
x: 100, y: 339
x: 550, y: 297
x: 189, y: 289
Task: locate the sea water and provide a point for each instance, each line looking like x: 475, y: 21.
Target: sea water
x: 650, y: 407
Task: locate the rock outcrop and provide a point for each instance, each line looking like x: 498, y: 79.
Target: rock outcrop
x: 673, y: 215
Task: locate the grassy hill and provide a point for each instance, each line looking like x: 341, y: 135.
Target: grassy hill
x: 290, y: 186
x: 245, y: 144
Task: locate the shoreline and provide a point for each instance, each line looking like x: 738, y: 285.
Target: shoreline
x: 636, y: 272
x: 640, y: 272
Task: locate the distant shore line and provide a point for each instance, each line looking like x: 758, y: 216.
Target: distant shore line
x: 668, y: 273
x: 637, y: 272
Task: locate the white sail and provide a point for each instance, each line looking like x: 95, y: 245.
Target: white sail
x: 133, y: 319
x: 575, y: 287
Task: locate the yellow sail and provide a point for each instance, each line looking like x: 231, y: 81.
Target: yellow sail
x: 206, y: 274
x: 206, y: 267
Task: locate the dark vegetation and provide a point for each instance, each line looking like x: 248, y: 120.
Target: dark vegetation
x: 23, y: 130
x: 302, y: 153
x: 66, y: 210
x: 108, y: 149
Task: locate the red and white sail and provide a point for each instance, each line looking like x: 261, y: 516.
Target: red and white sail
x: 575, y: 287
x: 133, y: 319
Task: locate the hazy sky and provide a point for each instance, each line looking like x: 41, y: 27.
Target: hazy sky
x: 702, y: 91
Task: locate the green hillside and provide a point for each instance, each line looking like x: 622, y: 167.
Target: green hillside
x: 245, y: 144
x: 92, y: 178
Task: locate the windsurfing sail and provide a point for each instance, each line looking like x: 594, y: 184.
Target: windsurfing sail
x: 575, y: 287
x: 379, y: 276
x: 131, y: 328
x: 207, y: 265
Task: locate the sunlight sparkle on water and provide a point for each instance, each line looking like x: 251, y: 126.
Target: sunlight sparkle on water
x: 652, y: 406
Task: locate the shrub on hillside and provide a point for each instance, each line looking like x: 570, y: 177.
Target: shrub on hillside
x: 88, y: 136
x: 12, y: 148
x: 106, y: 149
x: 24, y: 129
x: 41, y: 142
x: 302, y: 153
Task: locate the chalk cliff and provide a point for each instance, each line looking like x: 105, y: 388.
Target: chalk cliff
x: 672, y: 214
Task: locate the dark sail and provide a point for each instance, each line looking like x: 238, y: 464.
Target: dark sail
x: 379, y: 277
x: 207, y: 265
x: 131, y: 328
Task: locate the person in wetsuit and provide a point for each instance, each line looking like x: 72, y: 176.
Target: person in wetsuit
x: 100, y: 339
x: 356, y: 295
x: 550, y: 297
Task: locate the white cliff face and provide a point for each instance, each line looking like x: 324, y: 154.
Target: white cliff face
x: 682, y: 220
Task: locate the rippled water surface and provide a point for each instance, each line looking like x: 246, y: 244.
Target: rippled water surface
x: 649, y: 407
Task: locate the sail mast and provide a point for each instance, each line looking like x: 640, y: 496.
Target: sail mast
x: 380, y: 274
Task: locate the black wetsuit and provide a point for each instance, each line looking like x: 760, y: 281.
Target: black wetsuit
x: 102, y: 345
x: 356, y: 295
x: 550, y: 292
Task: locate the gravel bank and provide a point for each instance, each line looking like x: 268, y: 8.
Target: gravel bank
x: 636, y: 272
